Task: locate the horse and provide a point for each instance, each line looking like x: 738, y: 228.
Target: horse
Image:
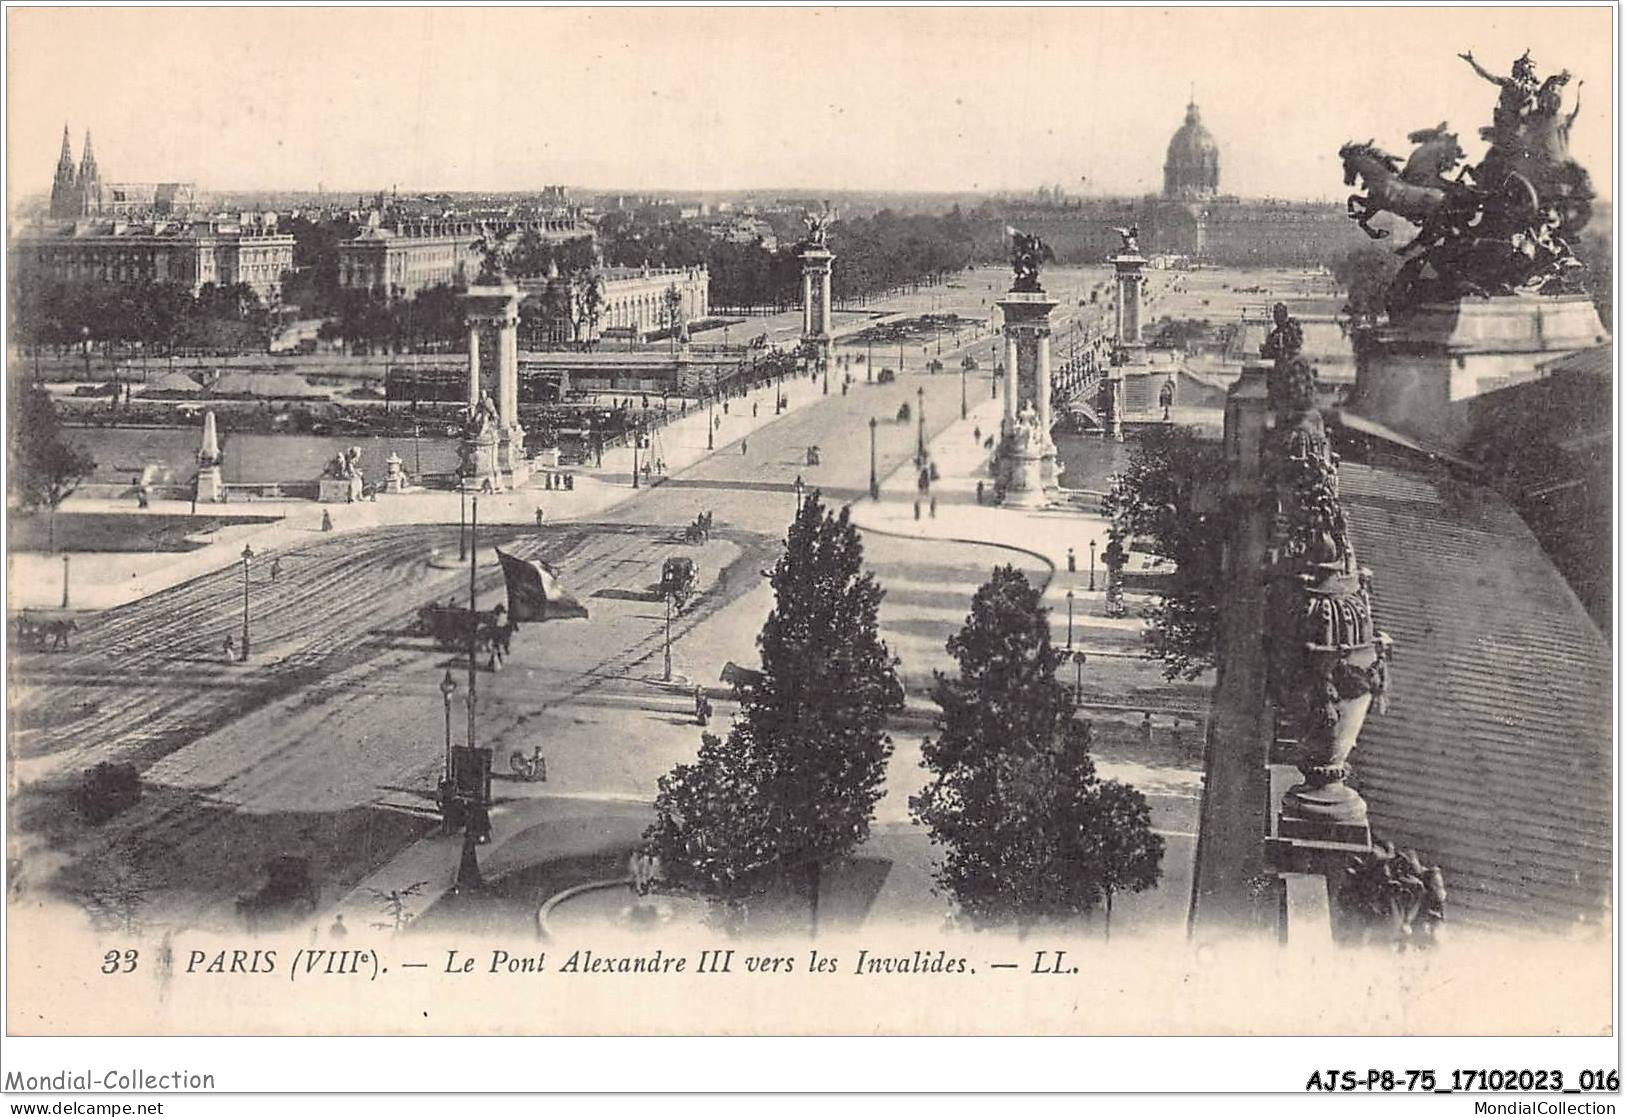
x: 58, y: 632
x: 740, y: 678
x: 1437, y: 153
x: 1380, y: 176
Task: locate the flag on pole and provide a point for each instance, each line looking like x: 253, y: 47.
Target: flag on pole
x: 534, y: 593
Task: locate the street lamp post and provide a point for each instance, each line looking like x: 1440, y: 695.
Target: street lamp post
x: 920, y: 454
x: 417, y: 456
x: 462, y: 522
x: 1069, y: 596
x: 448, y: 687
x: 801, y: 487
x: 1091, y: 564
x: 1078, y: 660
x: 710, y: 422
x: 874, y: 476
x: 248, y: 558
x: 635, y: 440
x: 64, y: 581
x: 964, y: 407
x: 667, y: 676
x: 479, y: 827
x: 868, y: 365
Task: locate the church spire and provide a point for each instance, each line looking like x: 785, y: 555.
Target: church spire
x: 65, y: 160
x: 87, y: 166
x: 64, y: 199
x: 90, y: 181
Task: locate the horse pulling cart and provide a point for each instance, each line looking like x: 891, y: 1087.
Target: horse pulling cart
x: 454, y: 627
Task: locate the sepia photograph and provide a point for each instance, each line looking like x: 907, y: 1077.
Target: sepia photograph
x: 811, y: 521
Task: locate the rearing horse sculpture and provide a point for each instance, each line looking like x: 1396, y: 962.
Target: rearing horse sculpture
x: 1386, y: 189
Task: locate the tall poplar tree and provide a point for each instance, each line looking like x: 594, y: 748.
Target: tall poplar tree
x: 795, y: 782
x: 1029, y: 831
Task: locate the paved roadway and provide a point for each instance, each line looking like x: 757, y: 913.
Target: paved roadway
x: 328, y: 744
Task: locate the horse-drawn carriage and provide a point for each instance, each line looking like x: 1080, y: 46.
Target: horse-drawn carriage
x: 37, y: 632
x: 700, y: 530
x: 453, y: 626
x: 678, y: 579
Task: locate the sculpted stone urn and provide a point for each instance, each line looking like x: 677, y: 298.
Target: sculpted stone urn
x: 1342, y: 668
x: 1327, y: 661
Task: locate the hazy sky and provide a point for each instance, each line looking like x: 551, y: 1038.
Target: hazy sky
x: 697, y: 98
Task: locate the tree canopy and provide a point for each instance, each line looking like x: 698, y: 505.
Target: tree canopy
x: 796, y: 780
x: 45, y: 467
x: 1029, y: 831
x: 1157, y: 502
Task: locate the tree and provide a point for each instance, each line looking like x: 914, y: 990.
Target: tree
x: 1158, y: 502
x: 795, y: 782
x: 1030, y: 831
x: 396, y: 904
x: 1366, y: 273
x: 45, y: 468
x: 587, y: 294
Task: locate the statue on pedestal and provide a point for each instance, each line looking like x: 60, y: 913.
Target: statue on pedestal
x: 344, y: 466
x: 481, y: 417
x: 1027, y: 255
x: 1131, y: 239
x: 494, y: 254
x: 1502, y: 227
x: 341, y: 480
x: 818, y: 226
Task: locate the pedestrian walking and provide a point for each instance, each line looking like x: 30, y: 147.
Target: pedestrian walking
x: 753, y: 407
x: 744, y: 447
x: 980, y: 492
x: 276, y: 567
x: 327, y: 521
x: 538, y: 517
x: 1145, y: 730
x: 338, y: 930
x: 229, y: 649
x: 916, y: 509
x: 933, y: 507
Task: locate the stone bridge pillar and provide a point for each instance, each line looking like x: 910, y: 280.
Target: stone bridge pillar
x: 492, y: 313
x: 1027, y: 385
x: 816, y: 264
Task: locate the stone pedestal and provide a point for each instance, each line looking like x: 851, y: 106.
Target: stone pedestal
x: 211, y: 486
x: 1415, y: 374
x: 338, y: 490
x: 477, y: 462
x: 1027, y: 383
x: 1024, y: 479
x: 492, y: 313
x: 394, y: 475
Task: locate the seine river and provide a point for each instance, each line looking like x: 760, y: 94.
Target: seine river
x: 121, y: 453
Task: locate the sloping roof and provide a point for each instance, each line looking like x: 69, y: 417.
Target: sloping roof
x: 1494, y: 758
x: 1596, y: 361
